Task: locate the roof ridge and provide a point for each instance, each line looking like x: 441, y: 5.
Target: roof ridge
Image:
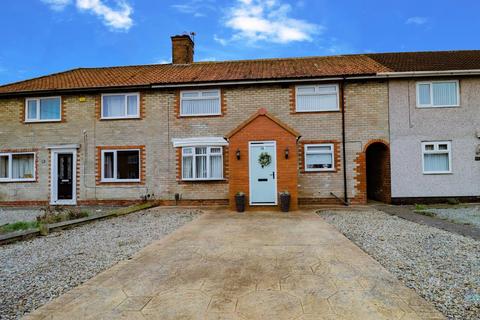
x: 425, y: 51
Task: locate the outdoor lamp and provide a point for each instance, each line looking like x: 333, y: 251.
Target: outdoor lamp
x: 286, y: 153
x: 238, y: 154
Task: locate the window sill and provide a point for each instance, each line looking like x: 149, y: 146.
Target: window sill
x: 121, y: 118
x: 319, y: 171
x: 437, y: 173
x: 437, y: 107
x: 204, y: 180
x: 199, y: 115
x: 43, y: 121
x: 16, y: 180
x: 319, y: 111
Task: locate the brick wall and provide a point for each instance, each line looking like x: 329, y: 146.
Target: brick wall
x: 366, y: 119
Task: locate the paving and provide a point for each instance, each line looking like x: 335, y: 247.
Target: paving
x: 407, y: 214
x: 245, y: 266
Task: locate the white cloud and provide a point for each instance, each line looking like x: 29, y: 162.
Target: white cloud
x: 117, y: 18
x: 269, y: 21
x: 57, y: 5
x: 196, y: 8
x: 416, y: 20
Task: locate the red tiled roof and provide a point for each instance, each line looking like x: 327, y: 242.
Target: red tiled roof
x: 199, y: 72
x: 244, y: 70
x: 429, y: 60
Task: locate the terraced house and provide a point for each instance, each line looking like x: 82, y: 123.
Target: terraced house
x: 391, y: 127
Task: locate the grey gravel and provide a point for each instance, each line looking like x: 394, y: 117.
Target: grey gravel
x: 466, y: 215
x: 37, y: 271
x: 442, y: 267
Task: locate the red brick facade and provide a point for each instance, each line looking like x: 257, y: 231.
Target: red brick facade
x: 262, y: 127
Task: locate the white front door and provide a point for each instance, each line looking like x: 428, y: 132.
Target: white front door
x: 263, y: 173
x: 63, y: 177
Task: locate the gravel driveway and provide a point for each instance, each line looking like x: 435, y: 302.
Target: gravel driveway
x: 442, y: 267
x: 36, y: 271
x: 468, y: 215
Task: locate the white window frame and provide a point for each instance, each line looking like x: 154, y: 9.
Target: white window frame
x: 437, y: 151
x: 332, y: 152
x: 115, y: 179
x: 10, y: 167
x: 37, y: 119
x: 200, y: 97
x: 315, y: 94
x: 431, y: 105
x: 126, y: 115
x: 194, y: 156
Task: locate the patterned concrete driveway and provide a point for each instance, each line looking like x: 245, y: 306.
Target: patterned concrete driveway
x: 245, y: 266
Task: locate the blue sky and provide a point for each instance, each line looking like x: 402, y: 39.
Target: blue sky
x: 44, y: 36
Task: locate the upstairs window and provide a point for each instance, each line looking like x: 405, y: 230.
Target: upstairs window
x: 120, y: 165
x: 120, y: 106
x: 43, y: 109
x: 319, y: 157
x: 17, y: 167
x: 438, y: 94
x: 318, y: 98
x: 437, y: 157
x: 202, y: 163
x: 200, y: 103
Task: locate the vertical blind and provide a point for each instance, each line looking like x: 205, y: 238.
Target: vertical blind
x: 316, y: 98
x: 200, y: 103
x: 436, y: 162
x: 120, y: 105
x: 433, y: 94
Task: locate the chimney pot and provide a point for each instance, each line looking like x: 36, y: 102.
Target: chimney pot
x: 182, y: 49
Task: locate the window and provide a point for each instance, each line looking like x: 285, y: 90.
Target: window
x: 121, y: 165
x: 200, y: 103
x: 17, y: 167
x: 202, y: 163
x: 119, y: 106
x: 43, y: 109
x: 438, y: 94
x: 437, y: 157
x: 317, y: 98
x: 319, y: 157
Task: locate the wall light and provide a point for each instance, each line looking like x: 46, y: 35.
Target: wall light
x: 238, y: 154
x: 286, y: 153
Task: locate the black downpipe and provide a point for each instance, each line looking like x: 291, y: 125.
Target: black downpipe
x: 342, y: 98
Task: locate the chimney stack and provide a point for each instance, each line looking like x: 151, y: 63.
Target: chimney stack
x: 182, y: 49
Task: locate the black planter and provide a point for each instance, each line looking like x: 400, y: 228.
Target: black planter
x: 284, y: 202
x: 240, y: 202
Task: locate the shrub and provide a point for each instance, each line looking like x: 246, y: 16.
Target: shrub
x: 19, y: 225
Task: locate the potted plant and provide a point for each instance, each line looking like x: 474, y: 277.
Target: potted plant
x: 240, y: 201
x: 284, y: 201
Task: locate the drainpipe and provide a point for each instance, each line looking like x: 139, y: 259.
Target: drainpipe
x: 342, y: 98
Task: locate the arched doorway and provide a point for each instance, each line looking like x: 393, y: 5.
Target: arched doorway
x: 378, y: 172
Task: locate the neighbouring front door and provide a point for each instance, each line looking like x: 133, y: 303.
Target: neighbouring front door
x: 65, y: 176
x: 263, y: 173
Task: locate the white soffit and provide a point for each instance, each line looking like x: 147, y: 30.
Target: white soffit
x: 199, y: 141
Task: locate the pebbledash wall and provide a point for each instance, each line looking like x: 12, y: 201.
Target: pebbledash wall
x: 410, y: 126
x: 366, y: 120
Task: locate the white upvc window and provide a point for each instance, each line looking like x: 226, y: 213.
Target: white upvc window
x: 120, y: 105
x: 121, y: 165
x: 438, y: 94
x: 17, y: 167
x: 43, y: 109
x: 319, y: 157
x: 202, y: 163
x: 317, y: 98
x: 437, y: 157
x: 200, y: 103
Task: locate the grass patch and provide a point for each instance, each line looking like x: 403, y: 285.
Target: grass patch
x: 423, y: 210
x: 18, y: 226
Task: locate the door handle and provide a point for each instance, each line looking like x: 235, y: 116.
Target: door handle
x: 273, y: 174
